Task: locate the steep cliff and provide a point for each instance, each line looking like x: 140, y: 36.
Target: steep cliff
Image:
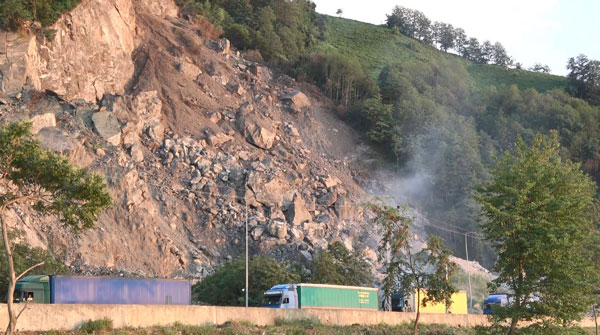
x: 88, y: 55
x: 193, y: 141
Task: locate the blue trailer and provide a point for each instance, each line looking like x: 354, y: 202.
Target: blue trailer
x: 102, y: 290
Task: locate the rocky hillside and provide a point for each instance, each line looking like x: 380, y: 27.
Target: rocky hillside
x: 191, y: 138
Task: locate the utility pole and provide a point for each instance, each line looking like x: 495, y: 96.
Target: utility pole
x: 468, y: 271
x: 246, y: 290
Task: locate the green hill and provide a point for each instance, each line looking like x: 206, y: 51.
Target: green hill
x: 377, y: 46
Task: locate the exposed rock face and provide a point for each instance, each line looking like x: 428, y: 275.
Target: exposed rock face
x: 196, y: 144
x: 90, y: 54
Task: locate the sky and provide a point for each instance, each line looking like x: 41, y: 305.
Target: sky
x: 532, y: 31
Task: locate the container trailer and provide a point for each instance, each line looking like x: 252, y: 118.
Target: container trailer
x: 55, y: 289
x: 294, y: 296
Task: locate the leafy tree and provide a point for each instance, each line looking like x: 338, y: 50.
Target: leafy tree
x: 487, y: 52
x: 47, y: 181
x: 461, y: 39
x: 338, y: 266
x: 342, y: 78
x: 24, y: 257
x: 239, y: 35
x: 444, y: 35
x: 339, y: 12
x: 499, y: 55
x: 540, y: 222
x: 472, y: 50
x: 411, y: 23
x: 407, y: 270
x: 225, y: 287
x: 537, y: 67
x: 584, y: 77
x: 15, y: 13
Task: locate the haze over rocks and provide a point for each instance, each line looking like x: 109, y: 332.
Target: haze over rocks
x: 192, y: 140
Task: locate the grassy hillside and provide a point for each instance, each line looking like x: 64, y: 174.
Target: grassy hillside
x: 377, y: 46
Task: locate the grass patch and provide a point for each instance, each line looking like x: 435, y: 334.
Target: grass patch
x: 377, y: 46
x: 279, y: 322
x: 94, y: 326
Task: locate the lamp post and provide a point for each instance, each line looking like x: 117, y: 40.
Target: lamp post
x: 468, y: 270
x: 246, y: 291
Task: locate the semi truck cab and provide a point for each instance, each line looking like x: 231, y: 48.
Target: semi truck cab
x: 281, y: 296
x: 33, y: 289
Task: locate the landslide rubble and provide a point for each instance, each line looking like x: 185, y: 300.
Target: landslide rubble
x: 193, y: 143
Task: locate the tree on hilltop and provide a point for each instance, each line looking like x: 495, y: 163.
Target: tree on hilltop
x: 539, y: 219
x: 32, y: 176
x: 537, y: 67
x: 584, y: 78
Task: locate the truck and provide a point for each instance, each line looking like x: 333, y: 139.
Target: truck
x: 55, y: 289
x: 495, y: 299
x: 295, y: 296
x: 408, y: 303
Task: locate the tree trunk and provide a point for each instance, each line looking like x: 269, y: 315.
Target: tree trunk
x: 418, y: 303
x: 12, y: 317
x: 513, y: 326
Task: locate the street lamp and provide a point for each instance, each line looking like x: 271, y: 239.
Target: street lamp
x: 246, y: 290
x: 468, y: 270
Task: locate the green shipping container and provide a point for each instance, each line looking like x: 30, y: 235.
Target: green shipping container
x: 335, y: 296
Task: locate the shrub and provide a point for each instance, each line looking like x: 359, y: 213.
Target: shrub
x: 239, y: 35
x: 93, y: 326
x: 15, y: 13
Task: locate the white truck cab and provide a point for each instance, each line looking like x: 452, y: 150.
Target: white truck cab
x: 281, y: 296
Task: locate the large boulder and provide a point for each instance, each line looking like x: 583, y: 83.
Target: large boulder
x: 278, y: 228
x: 267, y: 192
x: 42, y: 121
x: 257, y: 130
x: 296, y: 101
x: 107, y: 126
x: 297, y: 212
x: 58, y: 141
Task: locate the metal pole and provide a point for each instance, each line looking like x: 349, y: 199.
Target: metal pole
x: 469, y: 272
x: 246, y: 253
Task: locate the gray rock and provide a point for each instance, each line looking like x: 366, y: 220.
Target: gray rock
x: 297, y: 212
x: 42, y: 121
x: 107, y: 126
x: 278, y: 228
x: 296, y: 100
x: 328, y: 198
x: 136, y: 152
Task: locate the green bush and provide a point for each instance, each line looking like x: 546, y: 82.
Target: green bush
x: 279, y: 29
x: 93, y: 326
x: 225, y: 287
x: 15, y: 13
x: 239, y: 35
